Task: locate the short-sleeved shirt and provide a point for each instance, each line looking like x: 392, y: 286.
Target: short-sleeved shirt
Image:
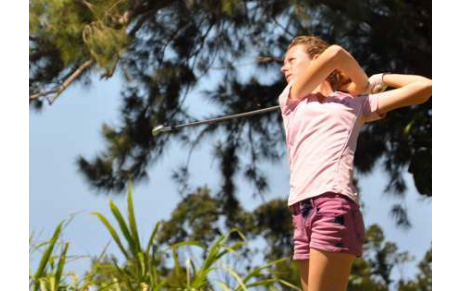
x: 321, y: 137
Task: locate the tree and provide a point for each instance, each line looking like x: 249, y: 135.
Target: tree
x: 163, y: 49
x: 423, y: 280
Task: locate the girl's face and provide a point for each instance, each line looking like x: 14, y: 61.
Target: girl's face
x: 295, y: 62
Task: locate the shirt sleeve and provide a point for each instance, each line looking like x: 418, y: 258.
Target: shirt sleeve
x: 370, y: 105
x: 287, y: 105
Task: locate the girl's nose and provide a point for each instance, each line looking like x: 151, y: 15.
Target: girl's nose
x: 283, y: 68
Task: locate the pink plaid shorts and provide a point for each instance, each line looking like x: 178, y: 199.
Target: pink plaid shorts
x: 330, y: 222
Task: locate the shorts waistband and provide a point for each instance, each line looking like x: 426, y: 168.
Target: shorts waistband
x: 311, y: 203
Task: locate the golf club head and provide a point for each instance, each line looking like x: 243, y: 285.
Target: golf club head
x: 159, y: 129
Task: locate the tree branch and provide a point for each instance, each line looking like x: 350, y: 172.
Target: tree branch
x: 57, y: 91
x: 86, y: 4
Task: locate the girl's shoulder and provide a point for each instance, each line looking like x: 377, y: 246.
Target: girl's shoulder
x: 344, y: 97
x: 349, y: 100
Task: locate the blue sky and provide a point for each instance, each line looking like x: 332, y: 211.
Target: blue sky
x: 72, y: 127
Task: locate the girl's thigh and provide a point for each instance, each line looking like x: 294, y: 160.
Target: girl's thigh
x: 329, y: 271
x: 303, y: 266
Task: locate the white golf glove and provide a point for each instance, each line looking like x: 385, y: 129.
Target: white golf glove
x: 376, y: 84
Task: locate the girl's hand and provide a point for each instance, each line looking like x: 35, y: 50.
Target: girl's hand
x: 376, y: 84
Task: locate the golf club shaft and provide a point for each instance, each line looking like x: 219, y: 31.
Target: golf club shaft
x: 261, y: 59
x: 217, y: 119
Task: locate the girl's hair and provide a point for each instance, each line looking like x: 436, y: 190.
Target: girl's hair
x: 315, y: 46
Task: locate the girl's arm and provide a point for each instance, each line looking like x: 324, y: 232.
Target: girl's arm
x: 333, y: 58
x: 410, y: 90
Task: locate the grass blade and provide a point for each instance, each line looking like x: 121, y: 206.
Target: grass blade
x: 223, y: 286
x: 236, y: 276
x: 141, y: 260
x: 201, y: 278
x: 132, y: 219
x: 267, y: 282
x: 152, y: 236
x: 286, y: 283
x: 113, y: 233
x: 188, y: 243
x: 212, y: 255
x: 46, y: 256
x: 60, y: 268
x: 124, y: 227
x: 177, y: 266
x: 256, y: 271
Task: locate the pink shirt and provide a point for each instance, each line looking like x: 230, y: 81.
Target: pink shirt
x: 321, y: 136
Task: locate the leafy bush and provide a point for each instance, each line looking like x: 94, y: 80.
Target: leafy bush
x: 145, y: 267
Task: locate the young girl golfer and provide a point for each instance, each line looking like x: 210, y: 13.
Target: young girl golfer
x: 322, y: 116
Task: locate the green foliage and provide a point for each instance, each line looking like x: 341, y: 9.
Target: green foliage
x: 140, y: 261
x: 58, y: 22
x: 79, y: 31
x: 195, y: 218
x: 145, y: 268
x: 373, y: 270
x: 423, y: 280
x: 105, y: 44
x: 47, y: 276
x: 164, y: 266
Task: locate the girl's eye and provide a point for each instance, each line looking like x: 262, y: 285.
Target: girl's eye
x: 290, y: 60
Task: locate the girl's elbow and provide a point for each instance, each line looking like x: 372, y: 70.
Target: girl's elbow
x: 334, y: 52
x: 335, y: 48
x: 427, y: 82
x: 424, y: 89
x: 428, y: 89
x: 422, y: 92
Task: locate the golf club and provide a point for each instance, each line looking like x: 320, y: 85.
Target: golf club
x: 261, y: 59
x: 162, y: 128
